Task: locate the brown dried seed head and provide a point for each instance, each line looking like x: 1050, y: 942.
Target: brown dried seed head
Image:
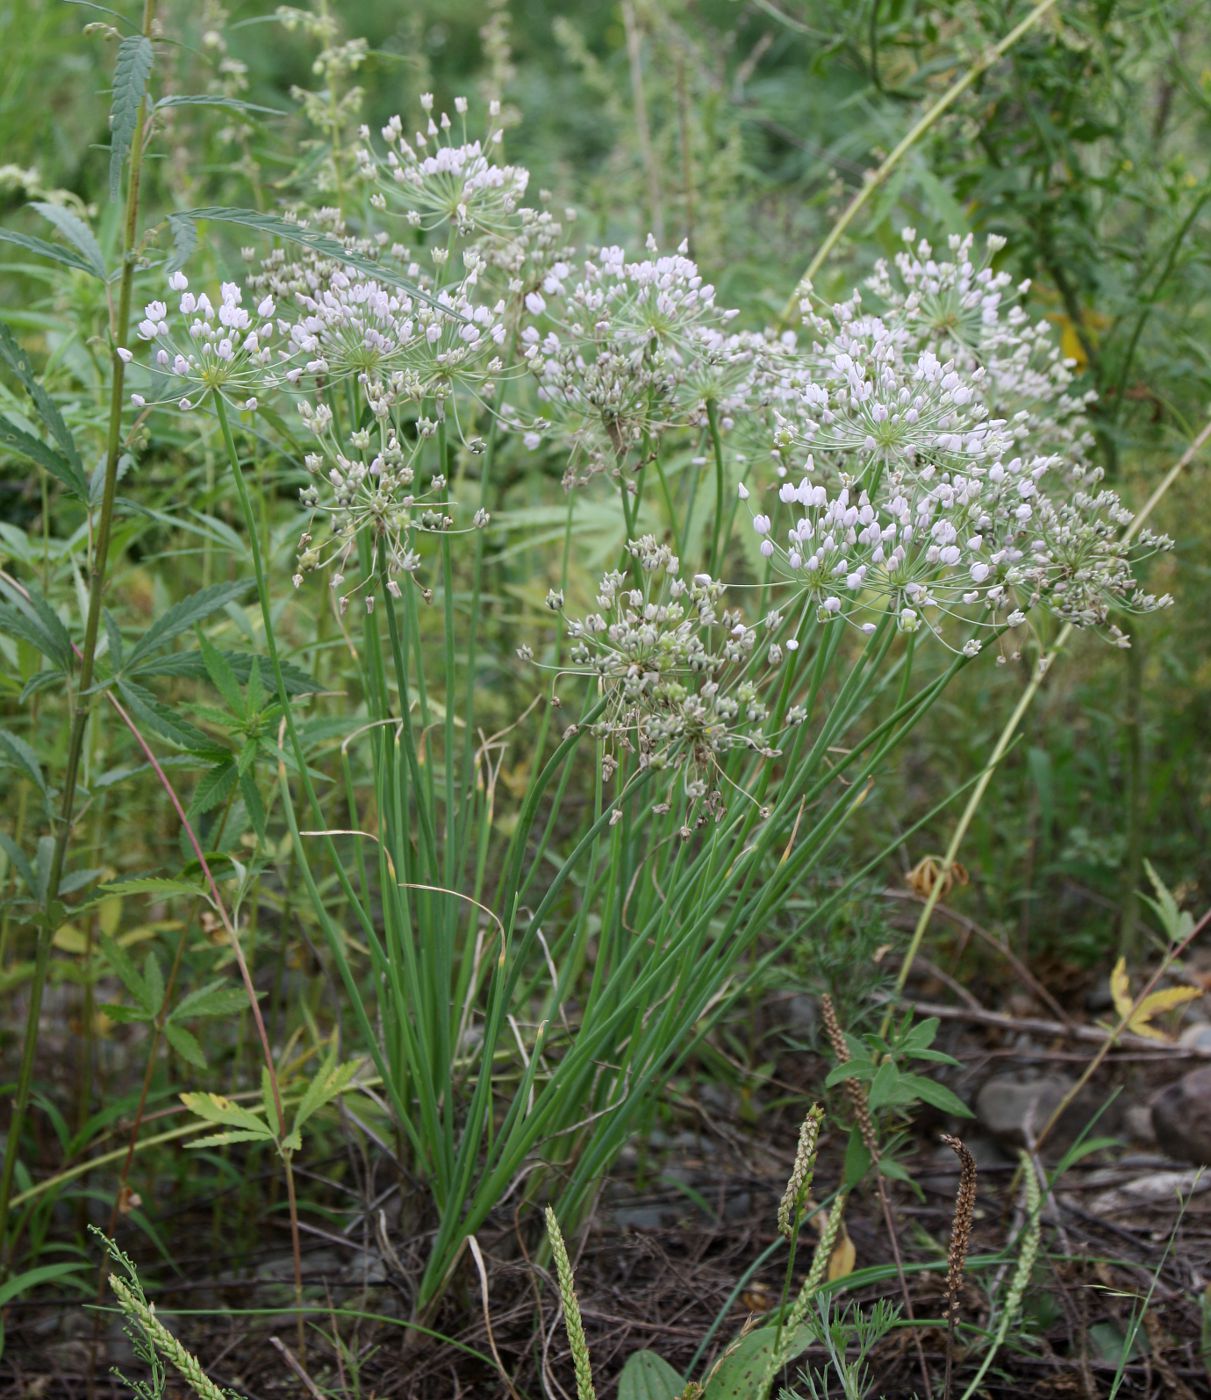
x: 960, y: 1230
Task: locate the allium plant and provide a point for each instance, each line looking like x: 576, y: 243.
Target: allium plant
x: 717, y: 706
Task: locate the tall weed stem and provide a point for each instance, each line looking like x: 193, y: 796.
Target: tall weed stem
x: 82, y: 696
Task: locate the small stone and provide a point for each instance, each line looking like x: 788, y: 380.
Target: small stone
x: 1181, y: 1117
x: 1137, y: 1123
x: 1016, y: 1108
x: 1197, y: 1036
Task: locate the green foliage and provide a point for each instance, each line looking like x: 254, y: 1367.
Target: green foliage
x: 131, y: 72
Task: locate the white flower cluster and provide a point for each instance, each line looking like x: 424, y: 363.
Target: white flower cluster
x: 929, y: 453
x: 682, y: 677
x: 623, y: 350
x: 378, y: 488
x: 440, y: 178
x: 931, y: 489
x: 227, y: 349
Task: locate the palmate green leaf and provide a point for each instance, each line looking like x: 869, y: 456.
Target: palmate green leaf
x: 322, y: 243
x: 53, y: 251
x: 253, y: 805
x: 77, y: 233
x: 133, y: 68
x: 182, y: 617
x: 127, y: 1015
x: 647, y: 1376
x: 15, y: 358
x: 190, y: 665
x: 167, y: 723
x: 153, y: 977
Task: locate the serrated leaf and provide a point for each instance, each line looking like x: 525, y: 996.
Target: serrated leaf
x: 216, y: 786
x: 214, y: 1108
x: 153, y: 976
x: 215, y: 999
x: 647, y: 1376
x: 1139, y: 1018
x: 46, y: 457
x: 152, y: 885
x: 182, y: 617
x: 133, y: 68
x: 322, y: 243
x: 29, y: 614
x: 221, y: 675
x: 225, y: 1139
x: 13, y: 356
x: 123, y: 966
x: 53, y: 251
x: 209, y: 100
x: 329, y: 1082
x: 20, y: 862
x: 253, y: 804
x: 77, y: 233
x: 185, y: 1044
x: 18, y: 753
x: 168, y: 723
x: 189, y: 664
x: 184, y: 240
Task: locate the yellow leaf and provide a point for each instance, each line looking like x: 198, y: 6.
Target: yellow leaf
x: 1139, y: 1018
x: 1120, y: 989
x: 109, y: 916
x: 844, y: 1257
x: 69, y: 939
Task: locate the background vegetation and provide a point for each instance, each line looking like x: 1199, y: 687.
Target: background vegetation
x: 745, y: 128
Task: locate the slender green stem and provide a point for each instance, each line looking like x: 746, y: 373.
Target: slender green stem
x: 717, y: 535
x: 82, y: 695
x: 878, y: 177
